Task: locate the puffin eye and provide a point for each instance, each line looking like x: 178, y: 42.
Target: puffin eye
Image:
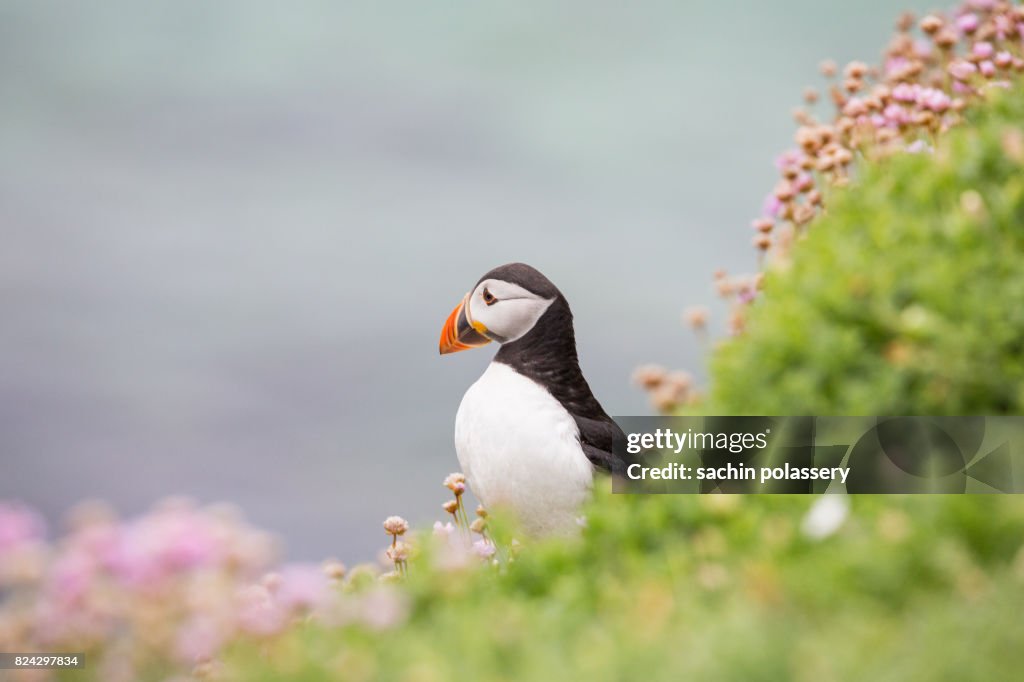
x: 489, y: 298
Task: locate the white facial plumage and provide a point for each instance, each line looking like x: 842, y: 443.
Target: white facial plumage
x: 507, y: 310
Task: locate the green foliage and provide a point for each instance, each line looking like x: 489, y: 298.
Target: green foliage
x: 906, y: 298
x: 715, y: 587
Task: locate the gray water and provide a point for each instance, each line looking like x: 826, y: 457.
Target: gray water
x: 231, y: 231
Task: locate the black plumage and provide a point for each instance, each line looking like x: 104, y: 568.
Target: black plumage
x: 547, y: 355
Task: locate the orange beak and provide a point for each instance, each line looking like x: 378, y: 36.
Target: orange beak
x: 459, y: 333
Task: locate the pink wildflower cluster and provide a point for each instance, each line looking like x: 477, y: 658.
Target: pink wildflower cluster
x: 460, y: 543
x: 459, y: 549
x: 932, y: 70
x: 668, y: 389
x: 167, y: 589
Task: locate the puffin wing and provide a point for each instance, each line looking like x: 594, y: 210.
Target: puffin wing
x: 596, y: 438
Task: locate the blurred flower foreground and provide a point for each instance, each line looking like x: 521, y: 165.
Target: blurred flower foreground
x: 903, y: 297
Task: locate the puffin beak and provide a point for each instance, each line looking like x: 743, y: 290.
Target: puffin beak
x: 461, y: 334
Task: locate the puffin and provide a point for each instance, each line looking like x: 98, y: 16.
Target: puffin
x: 529, y: 433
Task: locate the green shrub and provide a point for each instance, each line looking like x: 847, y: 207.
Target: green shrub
x: 715, y: 587
x: 906, y: 298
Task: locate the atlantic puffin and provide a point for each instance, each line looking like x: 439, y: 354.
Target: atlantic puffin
x: 529, y: 433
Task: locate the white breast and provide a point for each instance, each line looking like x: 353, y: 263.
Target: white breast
x: 519, y: 448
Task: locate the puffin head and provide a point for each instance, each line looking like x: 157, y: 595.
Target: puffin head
x: 503, y: 306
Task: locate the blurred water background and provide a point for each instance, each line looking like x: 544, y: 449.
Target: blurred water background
x: 231, y: 231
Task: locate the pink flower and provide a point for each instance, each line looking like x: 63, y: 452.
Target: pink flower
x: 934, y: 100
x: 483, y: 549
x: 1004, y: 27
x: 771, y: 206
x: 302, y: 586
x: 904, y: 92
x: 199, y: 639
x: 384, y: 608
x: 258, y: 612
x: 983, y: 50
x: 1003, y: 59
x: 166, y: 542
x: 97, y: 539
x: 919, y: 147
x: 987, y: 68
x: 443, y: 531
x: 895, y: 114
x: 895, y: 65
x: 803, y: 182
x: 133, y: 556
x: 962, y: 70
x: 188, y: 542
x: 968, y: 23
x: 19, y: 525
x: 855, y: 107
x: 70, y: 577
x: 788, y: 159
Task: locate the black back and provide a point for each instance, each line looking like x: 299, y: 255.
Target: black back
x: 547, y: 355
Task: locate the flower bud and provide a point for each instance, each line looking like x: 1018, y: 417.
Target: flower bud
x: 885, y: 135
x: 395, y: 525
x: 696, y: 316
x: 784, y: 191
x: 649, y: 376
x: 335, y: 570
x: 452, y: 480
x: 803, y: 214
x: 398, y: 552
x: 931, y: 24
x: 856, y: 70
x: 945, y: 39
